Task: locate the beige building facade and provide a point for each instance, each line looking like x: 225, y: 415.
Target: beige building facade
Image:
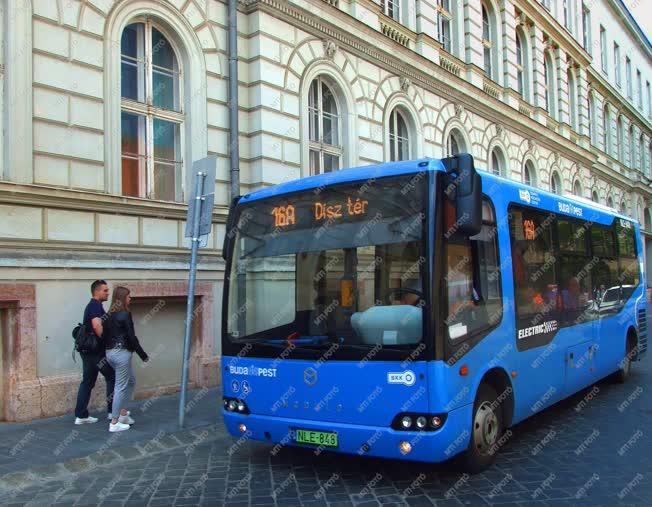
x: 106, y: 103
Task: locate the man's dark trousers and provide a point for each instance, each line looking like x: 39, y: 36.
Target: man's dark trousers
x: 94, y: 364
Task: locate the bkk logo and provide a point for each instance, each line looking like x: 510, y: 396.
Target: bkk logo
x: 407, y: 378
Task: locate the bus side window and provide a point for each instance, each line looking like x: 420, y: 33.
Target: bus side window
x: 534, y: 266
x: 472, y: 280
x: 628, y: 266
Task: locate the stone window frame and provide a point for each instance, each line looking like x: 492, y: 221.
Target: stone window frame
x: 191, y: 58
x: 411, y: 117
x: 530, y: 166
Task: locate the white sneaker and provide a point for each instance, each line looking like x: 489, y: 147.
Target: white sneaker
x: 126, y: 419
x: 85, y: 420
x: 108, y: 416
x: 118, y: 427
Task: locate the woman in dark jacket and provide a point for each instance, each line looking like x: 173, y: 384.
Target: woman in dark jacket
x: 121, y: 341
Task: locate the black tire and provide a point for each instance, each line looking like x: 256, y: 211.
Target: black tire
x: 487, y: 427
x: 625, y: 368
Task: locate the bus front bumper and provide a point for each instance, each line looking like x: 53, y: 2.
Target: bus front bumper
x: 383, y: 442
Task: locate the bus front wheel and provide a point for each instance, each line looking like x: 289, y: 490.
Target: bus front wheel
x: 623, y: 372
x: 486, y: 431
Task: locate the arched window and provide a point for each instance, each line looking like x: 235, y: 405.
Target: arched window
x: 399, y: 137
x: 549, y: 84
x: 577, y: 188
x: 444, y: 24
x: 529, y: 174
x: 623, y: 208
x: 324, y: 128
x: 151, y: 114
x: 521, y: 70
x: 610, y: 202
x: 648, y: 219
x: 606, y: 130
x: 594, y: 196
x: 621, y: 139
x: 572, y: 99
x: 488, y: 40
x: 455, y: 143
x: 555, y: 183
x: 497, y: 163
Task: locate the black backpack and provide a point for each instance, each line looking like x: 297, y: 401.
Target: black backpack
x: 85, y: 339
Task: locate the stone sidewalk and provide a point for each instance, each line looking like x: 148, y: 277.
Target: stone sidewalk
x: 50, y: 448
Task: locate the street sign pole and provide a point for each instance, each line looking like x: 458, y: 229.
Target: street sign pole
x: 191, y: 293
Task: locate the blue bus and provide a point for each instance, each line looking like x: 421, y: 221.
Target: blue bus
x: 418, y: 309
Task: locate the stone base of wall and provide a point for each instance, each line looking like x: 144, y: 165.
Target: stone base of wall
x: 52, y: 396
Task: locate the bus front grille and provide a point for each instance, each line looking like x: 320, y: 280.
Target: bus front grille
x: 642, y: 331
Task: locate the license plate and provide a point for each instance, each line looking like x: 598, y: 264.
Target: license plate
x: 325, y: 438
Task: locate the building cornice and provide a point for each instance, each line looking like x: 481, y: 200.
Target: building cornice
x: 631, y: 25
x: 88, y: 200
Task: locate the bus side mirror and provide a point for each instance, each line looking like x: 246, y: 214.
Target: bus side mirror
x: 230, y: 232
x: 464, y: 188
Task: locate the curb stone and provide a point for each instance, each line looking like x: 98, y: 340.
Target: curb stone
x: 15, y: 482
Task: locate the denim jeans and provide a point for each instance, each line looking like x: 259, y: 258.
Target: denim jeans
x: 94, y: 364
x: 120, y: 360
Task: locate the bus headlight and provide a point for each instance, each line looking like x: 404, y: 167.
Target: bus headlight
x: 421, y: 422
x: 235, y: 405
x: 406, y: 422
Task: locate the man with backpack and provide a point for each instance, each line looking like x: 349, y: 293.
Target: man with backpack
x: 89, y: 344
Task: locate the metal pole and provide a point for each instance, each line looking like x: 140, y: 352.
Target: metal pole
x: 233, y: 99
x: 199, y: 188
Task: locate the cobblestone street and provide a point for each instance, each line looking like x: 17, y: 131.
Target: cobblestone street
x: 598, y: 455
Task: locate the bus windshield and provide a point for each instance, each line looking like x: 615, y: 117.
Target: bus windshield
x: 341, y: 264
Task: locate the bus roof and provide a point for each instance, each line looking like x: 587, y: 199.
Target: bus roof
x: 520, y: 192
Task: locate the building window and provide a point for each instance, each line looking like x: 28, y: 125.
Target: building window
x: 592, y: 129
x: 628, y: 76
x: 549, y: 84
x: 392, y: 8
x: 621, y: 139
x: 520, y: 69
x: 632, y: 148
x: 617, y: 63
x: 546, y: 4
x: 639, y: 87
x: 594, y: 196
x: 529, y: 174
x: 606, y: 130
x: 649, y: 99
x: 151, y: 117
x: 487, y: 41
x: 610, y: 202
x: 444, y: 20
x: 577, y: 188
x: 586, y: 29
x: 497, y: 163
x: 567, y: 14
x: 641, y: 154
x: 603, y: 48
x: 455, y: 143
x: 572, y: 98
x: 555, y: 183
x: 399, y: 140
x: 325, y: 147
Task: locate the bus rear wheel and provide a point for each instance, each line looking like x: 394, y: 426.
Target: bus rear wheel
x: 486, y: 431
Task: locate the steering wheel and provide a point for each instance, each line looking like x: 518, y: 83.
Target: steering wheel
x: 394, y: 292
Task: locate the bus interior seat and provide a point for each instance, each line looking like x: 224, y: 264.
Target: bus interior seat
x: 388, y: 325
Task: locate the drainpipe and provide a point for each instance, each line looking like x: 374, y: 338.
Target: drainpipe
x: 233, y: 99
